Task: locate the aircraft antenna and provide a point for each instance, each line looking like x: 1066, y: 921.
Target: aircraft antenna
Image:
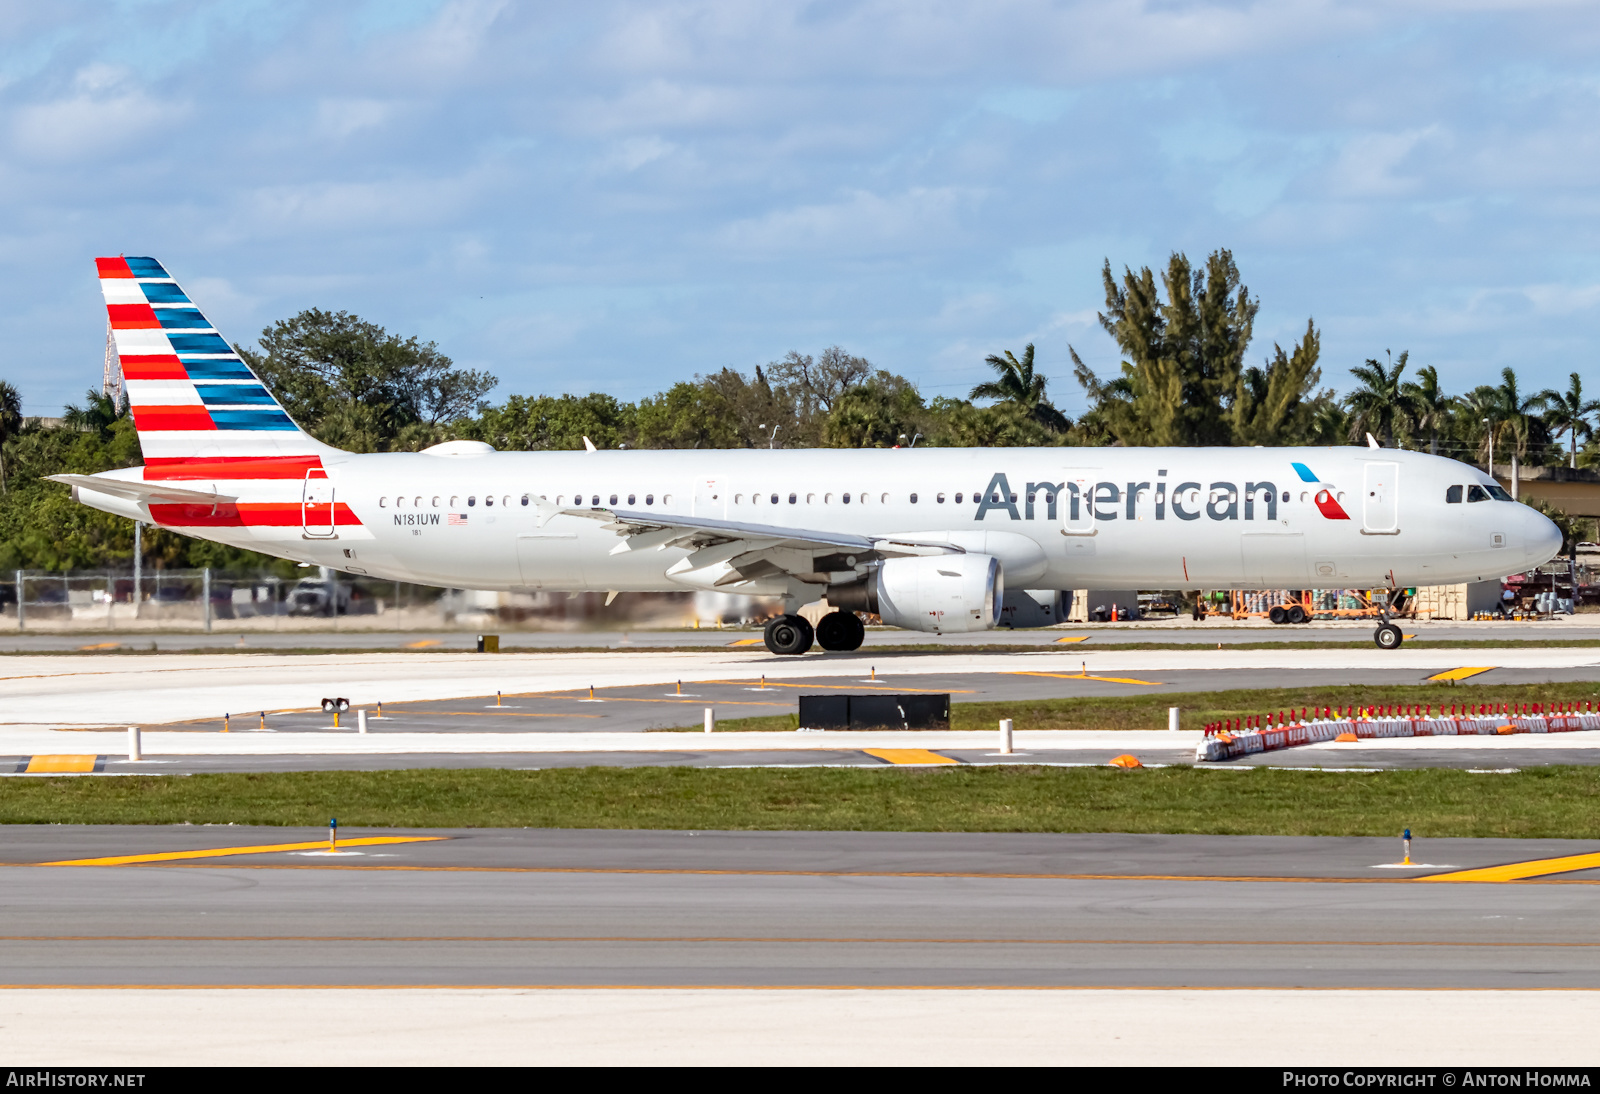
x: 111, y: 379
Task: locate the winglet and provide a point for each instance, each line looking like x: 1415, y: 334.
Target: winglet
x: 1372, y: 441
x: 589, y: 445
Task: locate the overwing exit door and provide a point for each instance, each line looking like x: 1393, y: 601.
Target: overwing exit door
x: 316, y: 505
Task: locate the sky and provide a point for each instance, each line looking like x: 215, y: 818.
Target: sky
x: 613, y: 196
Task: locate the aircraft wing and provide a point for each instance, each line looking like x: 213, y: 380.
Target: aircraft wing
x: 145, y: 492
x: 742, y: 552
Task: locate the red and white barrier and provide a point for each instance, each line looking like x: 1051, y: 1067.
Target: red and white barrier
x: 1262, y: 733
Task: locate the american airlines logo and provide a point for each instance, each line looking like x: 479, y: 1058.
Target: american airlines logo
x: 1157, y: 499
x: 416, y: 518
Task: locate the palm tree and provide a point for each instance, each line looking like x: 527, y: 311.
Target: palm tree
x: 1016, y: 382
x: 98, y: 414
x: 1428, y: 404
x: 1569, y: 413
x: 1482, y: 407
x: 10, y: 422
x: 1380, y: 401
x: 1514, y: 410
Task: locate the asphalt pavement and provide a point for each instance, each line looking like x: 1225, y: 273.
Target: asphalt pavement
x: 535, y: 908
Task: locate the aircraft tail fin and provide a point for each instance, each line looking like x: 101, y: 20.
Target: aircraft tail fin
x: 199, y: 410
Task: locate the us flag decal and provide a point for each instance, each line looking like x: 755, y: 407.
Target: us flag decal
x: 454, y: 519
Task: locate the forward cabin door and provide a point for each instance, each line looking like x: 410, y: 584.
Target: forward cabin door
x: 1380, y: 499
x: 316, y: 505
x: 710, y: 497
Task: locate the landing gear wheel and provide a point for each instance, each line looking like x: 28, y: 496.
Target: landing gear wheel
x: 1278, y: 614
x: 1388, y: 637
x: 1297, y: 614
x: 840, y: 631
x: 789, y: 634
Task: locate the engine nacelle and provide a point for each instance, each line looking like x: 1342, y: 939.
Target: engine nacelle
x: 941, y: 593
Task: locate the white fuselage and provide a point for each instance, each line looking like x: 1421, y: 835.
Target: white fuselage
x: 1145, y: 518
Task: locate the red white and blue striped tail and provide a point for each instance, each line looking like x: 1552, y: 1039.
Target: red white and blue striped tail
x: 199, y: 410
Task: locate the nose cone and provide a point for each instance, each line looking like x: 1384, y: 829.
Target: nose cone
x: 1541, y: 537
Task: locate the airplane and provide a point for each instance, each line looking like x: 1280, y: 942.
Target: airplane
x: 937, y: 540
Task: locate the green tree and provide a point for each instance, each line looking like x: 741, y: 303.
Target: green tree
x: 1517, y: 414
x: 10, y: 422
x: 1568, y: 412
x: 1379, y: 403
x: 874, y: 415
x: 553, y: 423
x: 1017, y: 383
x: 351, y: 383
x: 1275, y: 405
x: 1428, y: 404
x: 686, y: 416
x: 99, y: 412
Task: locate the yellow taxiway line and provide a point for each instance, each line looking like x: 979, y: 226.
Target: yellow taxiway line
x: 1461, y: 674
x: 1516, y: 871
x: 1085, y: 676
x: 908, y: 756
x: 260, y: 849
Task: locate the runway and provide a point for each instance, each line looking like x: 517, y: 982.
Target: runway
x: 521, y: 908
x: 352, y: 636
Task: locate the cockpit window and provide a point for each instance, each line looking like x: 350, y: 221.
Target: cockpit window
x: 1477, y: 493
x: 1452, y: 495
x: 1498, y: 493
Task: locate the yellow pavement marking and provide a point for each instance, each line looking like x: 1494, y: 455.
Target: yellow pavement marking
x: 747, y: 642
x: 908, y: 756
x: 422, y: 645
x: 1085, y: 638
x: 1516, y: 871
x: 51, y: 765
x: 103, y: 646
x: 1082, y: 676
x: 1462, y: 673
x: 260, y: 849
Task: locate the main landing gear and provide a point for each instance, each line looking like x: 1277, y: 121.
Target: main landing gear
x: 790, y: 634
x: 840, y: 631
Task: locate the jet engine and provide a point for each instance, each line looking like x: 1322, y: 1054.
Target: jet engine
x: 942, y: 593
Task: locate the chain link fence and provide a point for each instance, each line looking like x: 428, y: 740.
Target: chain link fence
x: 205, y: 600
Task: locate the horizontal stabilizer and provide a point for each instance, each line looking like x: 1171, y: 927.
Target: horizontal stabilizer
x: 144, y: 492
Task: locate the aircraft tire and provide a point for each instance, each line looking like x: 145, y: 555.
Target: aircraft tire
x: 789, y: 635
x: 1297, y: 614
x: 840, y: 632
x: 1388, y: 637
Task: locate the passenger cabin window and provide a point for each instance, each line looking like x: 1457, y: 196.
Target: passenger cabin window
x: 913, y: 499
x: 649, y: 499
x: 436, y: 503
x: 845, y: 498
x: 613, y: 499
x: 774, y: 499
x: 958, y: 497
x: 383, y: 503
x: 488, y: 499
x: 793, y: 498
x: 524, y: 499
x: 472, y: 500
x: 1477, y: 493
x: 1452, y: 495
x: 630, y: 499
x: 939, y: 498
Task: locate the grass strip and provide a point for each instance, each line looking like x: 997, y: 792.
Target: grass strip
x: 1148, y: 710
x: 1539, y: 803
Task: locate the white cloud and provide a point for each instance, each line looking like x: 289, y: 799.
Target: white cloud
x: 104, y: 114
x: 861, y: 222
